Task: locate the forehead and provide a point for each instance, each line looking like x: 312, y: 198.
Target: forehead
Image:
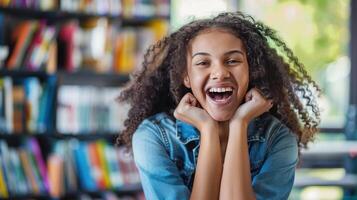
x: 215, y: 39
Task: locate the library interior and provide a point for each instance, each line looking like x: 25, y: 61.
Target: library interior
x: 63, y: 64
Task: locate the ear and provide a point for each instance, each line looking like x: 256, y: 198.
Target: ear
x: 186, y: 81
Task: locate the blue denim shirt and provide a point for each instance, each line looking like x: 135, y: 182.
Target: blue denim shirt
x: 166, y: 151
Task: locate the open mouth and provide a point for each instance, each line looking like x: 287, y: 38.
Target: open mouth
x: 220, y: 95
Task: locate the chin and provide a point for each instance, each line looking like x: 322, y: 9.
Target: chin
x: 221, y: 117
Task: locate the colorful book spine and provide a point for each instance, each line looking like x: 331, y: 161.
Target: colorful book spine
x: 86, y: 178
x: 3, y: 187
x: 32, y: 145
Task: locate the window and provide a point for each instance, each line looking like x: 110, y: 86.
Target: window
x: 318, y: 33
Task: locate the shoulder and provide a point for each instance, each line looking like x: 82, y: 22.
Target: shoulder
x: 148, y: 138
x: 271, y: 127
x: 277, y: 135
x: 152, y: 128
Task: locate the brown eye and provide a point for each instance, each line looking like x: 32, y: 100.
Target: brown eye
x: 202, y: 63
x: 232, y: 62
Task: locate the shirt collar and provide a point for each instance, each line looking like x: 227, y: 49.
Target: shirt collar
x: 186, y: 132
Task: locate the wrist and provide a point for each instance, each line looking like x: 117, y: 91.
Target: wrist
x: 211, y: 126
x: 209, y: 131
x: 238, y: 123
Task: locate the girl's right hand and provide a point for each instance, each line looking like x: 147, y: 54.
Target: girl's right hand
x: 189, y: 112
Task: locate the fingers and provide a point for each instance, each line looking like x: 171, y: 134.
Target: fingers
x: 256, y: 94
x: 249, y: 95
x: 187, y: 101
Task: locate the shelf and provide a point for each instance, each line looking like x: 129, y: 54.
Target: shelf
x: 29, y: 196
x: 51, y: 14
x: 76, y: 78
x: 348, y: 181
x: 88, y: 136
x: 328, y: 154
x: 138, y: 21
x: 58, y: 14
x: 124, y: 190
x: 23, y: 74
x: 91, y: 78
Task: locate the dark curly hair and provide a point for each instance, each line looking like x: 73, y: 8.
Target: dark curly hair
x: 273, y: 69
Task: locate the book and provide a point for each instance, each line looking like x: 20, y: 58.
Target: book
x: 33, y: 146
x: 18, y: 108
x: 21, y: 35
x: 86, y: 178
x: 96, y: 168
x: 115, y: 175
x: 3, y: 187
x: 55, y: 175
x: 45, y: 118
x: 33, y: 91
x: 21, y: 182
x: 8, y: 104
x: 29, y: 171
x: 7, y: 167
x: 3, y: 127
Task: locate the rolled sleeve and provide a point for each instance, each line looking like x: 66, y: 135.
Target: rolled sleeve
x: 276, y: 177
x: 159, y: 175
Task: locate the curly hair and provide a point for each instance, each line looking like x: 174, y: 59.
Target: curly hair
x: 273, y: 69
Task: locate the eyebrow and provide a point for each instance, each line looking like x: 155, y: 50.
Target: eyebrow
x: 227, y: 53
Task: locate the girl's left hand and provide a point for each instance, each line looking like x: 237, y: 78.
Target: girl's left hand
x: 255, y: 105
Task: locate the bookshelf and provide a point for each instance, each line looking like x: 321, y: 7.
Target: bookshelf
x: 62, y: 64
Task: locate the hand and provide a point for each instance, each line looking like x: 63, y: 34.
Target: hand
x: 255, y: 105
x: 189, y: 112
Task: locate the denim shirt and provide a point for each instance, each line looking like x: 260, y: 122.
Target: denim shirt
x: 166, y: 152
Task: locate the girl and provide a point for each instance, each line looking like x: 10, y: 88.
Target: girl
x: 219, y: 110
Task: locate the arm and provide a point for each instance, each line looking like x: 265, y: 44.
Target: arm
x: 209, y: 164
x: 236, y: 178
x: 209, y: 167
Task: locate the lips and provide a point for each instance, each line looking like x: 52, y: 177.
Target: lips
x: 220, y: 95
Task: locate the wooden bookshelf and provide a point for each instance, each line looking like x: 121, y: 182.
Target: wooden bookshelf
x: 80, y: 136
x: 81, y: 76
x: 28, y: 13
x: 52, y: 14
x: 23, y: 74
x: 125, y: 190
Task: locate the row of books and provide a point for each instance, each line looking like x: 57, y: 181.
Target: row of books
x: 145, y: 8
x: 26, y: 105
x: 97, y: 165
x: 108, y: 195
x: 32, y: 46
x: 89, y: 109
x: 93, y: 44
x: 22, y: 169
x: 128, y: 8
x: 71, y: 166
x: 99, y: 46
x: 131, y: 44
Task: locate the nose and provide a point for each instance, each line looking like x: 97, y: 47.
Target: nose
x: 219, y: 72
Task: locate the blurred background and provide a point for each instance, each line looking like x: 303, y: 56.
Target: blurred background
x: 62, y: 63
x: 322, y: 35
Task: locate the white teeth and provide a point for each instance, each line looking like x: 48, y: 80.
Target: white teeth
x: 226, y: 89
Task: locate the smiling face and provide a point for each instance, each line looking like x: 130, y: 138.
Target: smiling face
x: 217, y: 72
